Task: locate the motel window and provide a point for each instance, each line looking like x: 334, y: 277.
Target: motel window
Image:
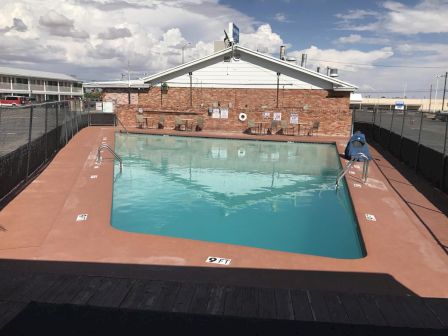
x: 22, y: 80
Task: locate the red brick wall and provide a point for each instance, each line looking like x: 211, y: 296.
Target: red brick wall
x: 328, y: 107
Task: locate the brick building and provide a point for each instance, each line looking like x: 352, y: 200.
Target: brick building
x: 236, y: 80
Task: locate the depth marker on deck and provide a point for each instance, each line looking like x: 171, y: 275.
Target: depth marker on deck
x: 371, y: 217
x: 93, y: 176
x: 218, y: 260
x: 356, y: 185
x: 81, y: 217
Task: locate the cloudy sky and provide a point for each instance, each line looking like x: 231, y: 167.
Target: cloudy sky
x: 380, y: 46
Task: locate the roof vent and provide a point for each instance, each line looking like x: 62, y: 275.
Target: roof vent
x: 291, y: 60
x: 303, y: 63
x: 282, y: 52
x: 334, y: 73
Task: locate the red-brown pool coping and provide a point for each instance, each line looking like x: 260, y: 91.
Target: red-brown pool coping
x: 41, y: 223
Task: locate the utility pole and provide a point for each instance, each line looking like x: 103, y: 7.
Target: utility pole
x: 444, y: 90
x: 183, y: 51
x: 430, y: 94
x: 129, y: 85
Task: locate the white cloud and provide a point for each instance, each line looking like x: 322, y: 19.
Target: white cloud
x: 264, y: 40
x: 281, y: 17
x: 428, y: 16
x: 352, y: 38
x: 356, y: 14
x: 347, y: 60
x: 357, y: 39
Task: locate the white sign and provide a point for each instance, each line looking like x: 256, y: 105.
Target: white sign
x: 399, y: 105
x: 234, y: 33
x: 224, y: 113
x: 218, y: 260
x: 266, y: 115
x: 277, y: 116
x: 99, y: 106
x: 294, y: 119
x: 215, y: 113
x: 108, y: 107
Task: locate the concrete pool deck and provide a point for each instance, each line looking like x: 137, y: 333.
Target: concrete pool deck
x: 41, y: 224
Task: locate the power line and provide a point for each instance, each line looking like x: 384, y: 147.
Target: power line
x: 381, y: 65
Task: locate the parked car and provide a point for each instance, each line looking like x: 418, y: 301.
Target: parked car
x: 14, y: 101
x: 441, y: 115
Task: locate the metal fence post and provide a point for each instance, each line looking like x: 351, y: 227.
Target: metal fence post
x: 373, y: 122
x: 29, y: 144
x: 390, y: 129
x: 379, y: 128
x: 57, y: 126
x: 46, y: 132
x: 418, y: 141
x: 401, y: 133
x: 442, y: 175
x: 65, y: 124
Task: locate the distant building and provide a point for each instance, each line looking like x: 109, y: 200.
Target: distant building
x: 40, y: 85
x: 416, y: 104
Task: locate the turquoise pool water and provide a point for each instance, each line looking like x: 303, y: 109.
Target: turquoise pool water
x: 270, y: 195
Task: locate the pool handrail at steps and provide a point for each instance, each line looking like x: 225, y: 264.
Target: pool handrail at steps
x: 365, y: 168
x: 105, y: 146
x: 119, y: 121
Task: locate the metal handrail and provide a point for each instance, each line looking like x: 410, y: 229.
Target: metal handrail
x: 119, y: 121
x: 105, y: 146
x: 365, y: 168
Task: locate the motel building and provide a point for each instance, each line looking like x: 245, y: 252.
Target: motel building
x: 40, y: 85
x: 231, y: 87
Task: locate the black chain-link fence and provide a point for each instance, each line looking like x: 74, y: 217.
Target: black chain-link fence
x: 31, y: 135
x: 417, y: 138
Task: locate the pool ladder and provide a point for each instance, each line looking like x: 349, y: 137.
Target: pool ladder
x: 105, y: 146
x: 365, y: 168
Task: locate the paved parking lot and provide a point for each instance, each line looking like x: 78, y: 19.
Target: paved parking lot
x: 433, y: 132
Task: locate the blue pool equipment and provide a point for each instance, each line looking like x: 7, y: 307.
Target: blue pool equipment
x: 357, y: 148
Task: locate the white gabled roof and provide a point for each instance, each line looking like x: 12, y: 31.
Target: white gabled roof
x: 182, y: 69
x: 36, y: 74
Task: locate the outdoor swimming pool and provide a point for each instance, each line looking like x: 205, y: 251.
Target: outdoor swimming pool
x: 270, y: 195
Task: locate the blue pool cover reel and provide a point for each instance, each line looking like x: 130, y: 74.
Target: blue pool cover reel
x: 356, y: 145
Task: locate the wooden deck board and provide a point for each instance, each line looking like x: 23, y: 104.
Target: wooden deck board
x: 301, y: 305
x: 371, y: 310
x: 440, y: 308
x: 267, y: 307
x: 184, y: 298
x: 8, y: 310
x: 249, y: 302
x: 208, y: 299
x: 319, y: 306
x: 283, y: 302
x: 217, y: 299
x: 167, y: 297
x: 200, y: 299
x: 353, y: 308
